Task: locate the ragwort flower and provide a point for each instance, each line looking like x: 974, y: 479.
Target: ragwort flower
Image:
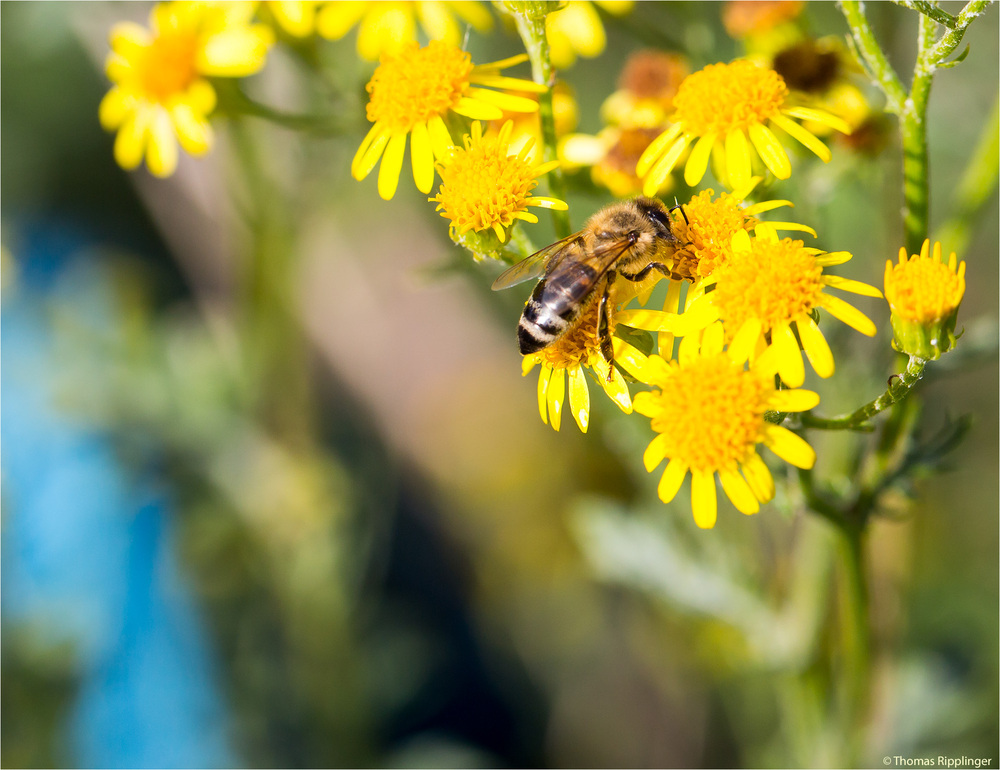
x: 767, y: 287
x: 161, y: 94
x: 924, y: 293
x: 564, y: 362
x: 484, y: 187
x: 386, y: 27
x: 411, y: 92
x: 728, y: 108
x: 577, y: 30
x: 708, y: 411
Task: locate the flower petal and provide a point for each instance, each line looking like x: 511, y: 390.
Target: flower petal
x: 630, y: 358
x: 422, y: 158
x: 557, y: 390
x: 440, y: 137
x: 161, y: 153
x: 703, y: 499
x: 543, y: 392
x: 236, y: 52
x: 758, y: 477
x: 477, y: 109
x: 790, y: 365
x: 656, y: 148
x: 849, y: 314
x: 789, y: 446
x: 504, y: 101
x: 796, y: 131
x: 745, y: 341
x: 816, y: 347
x: 392, y: 164
x: 847, y: 284
x: 193, y: 131
x: 770, y: 150
x: 368, y: 154
x: 579, y: 397
x: 739, y: 491
x: 671, y: 480
x: 738, y: 166
x: 617, y: 390
x: 697, y: 163
x: 659, y: 173
x: 493, y: 80
x: 795, y: 400
x: 656, y: 451
x: 819, y: 116
x: 130, y: 142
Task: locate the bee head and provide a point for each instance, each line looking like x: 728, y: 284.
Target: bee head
x: 657, y: 215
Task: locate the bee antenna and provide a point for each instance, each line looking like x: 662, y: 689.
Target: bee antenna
x: 681, y: 207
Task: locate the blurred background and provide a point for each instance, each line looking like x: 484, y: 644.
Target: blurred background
x: 276, y: 494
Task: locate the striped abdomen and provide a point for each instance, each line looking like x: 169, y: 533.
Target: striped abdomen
x: 554, y: 305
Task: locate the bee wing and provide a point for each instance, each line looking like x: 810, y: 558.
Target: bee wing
x: 533, y: 266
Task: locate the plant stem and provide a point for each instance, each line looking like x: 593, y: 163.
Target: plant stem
x: 872, y: 57
x: 531, y: 28
x: 856, y: 638
x: 899, y: 386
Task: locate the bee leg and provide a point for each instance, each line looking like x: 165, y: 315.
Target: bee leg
x: 648, y: 269
x: 603, y: 329
x: 681, y: 207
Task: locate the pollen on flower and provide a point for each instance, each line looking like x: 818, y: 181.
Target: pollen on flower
x: 706, y: 231
x: 923, y: 289
x: 416, y: 84
x: 710, y: 411
x: 774, y: 282
x: 722, y: 97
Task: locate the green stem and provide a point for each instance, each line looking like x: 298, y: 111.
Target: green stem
x: 931, y: 10
x: 531, y: 28
x: 913, y: 127
x: 856, y: 639
x: 899, y: 387
x: 872, y: 57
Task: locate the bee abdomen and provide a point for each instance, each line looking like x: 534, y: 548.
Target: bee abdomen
x: 540, y: 325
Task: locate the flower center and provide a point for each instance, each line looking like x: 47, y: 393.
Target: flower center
x: 483, y: 186
x: 776, y: 281
x: 923, y: 290
x: 712, y: 410
x: 707, y: 233
x: 722, y: 97
x: 169, y: 65
x: 416, y: 84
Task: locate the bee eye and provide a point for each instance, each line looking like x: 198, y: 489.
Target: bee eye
x: 657, y: 216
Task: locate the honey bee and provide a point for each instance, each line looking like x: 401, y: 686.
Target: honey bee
x: 628, y: 238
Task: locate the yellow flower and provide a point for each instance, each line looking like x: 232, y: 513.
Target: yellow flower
x: 731, y: 106
x: 565, y: 360
x: 296, y: 17
x: 611, y: 156
x: 411, y: 92
x: 924, y: 293
x: 386, y: 27
x: 483, y: 187
x: 708, y: 412
x: 577, y: 30
x: 767, y: 287
x: 161, y: 94
x: 647, y: 86
x: 528, y: 125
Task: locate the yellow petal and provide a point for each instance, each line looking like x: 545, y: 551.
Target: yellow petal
x: 193, y: 131
x: 829, y: 258
x: 501, y: 100
x: 656, y: 451
x: 819, y: 116
x: 617, y: 390
x: 422, y: 158
x: 849, y: 314
x: 656, y: 148
x: 441, y: 141
x: 659, y: 173
x: 477, y: 109
x: 509, y: 84
x: 697, y: 163
x: 161, y: 154
x: 671, y: 480
x: 739, y: 492
x: 703, y: 499
x: 795, y: 400
x: 579, y: 397
x: 543, y: 392
x: 392, y: 164
x: 713, y: 339
x: 368, y: 154
x: 790, y: 366
x: 758, y: 477
x: 796, y: 131
x: 789, y: 446
x: 130, y: 143
x: 631, y: 359
x: 115, y: 108
x: 816, y: 347
x: 557, y: 389
x: 745, y: 341
x: 770, y: 150
x: 336, y: 19
x: 738, y: 167
x: 847, y: 284
x: 235, y: 52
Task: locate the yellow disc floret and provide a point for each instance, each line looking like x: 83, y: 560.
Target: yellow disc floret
x: 923, y: 289
x: 706, y: 231
x: 774, y: 282
x: 711, y: 412
x: 417, y: 84
x: 722, y: 97
x: 167, y: 67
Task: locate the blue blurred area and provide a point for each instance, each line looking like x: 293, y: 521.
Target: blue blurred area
x: 88, y: 541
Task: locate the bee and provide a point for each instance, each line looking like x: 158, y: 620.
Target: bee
x: 628, y: 238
